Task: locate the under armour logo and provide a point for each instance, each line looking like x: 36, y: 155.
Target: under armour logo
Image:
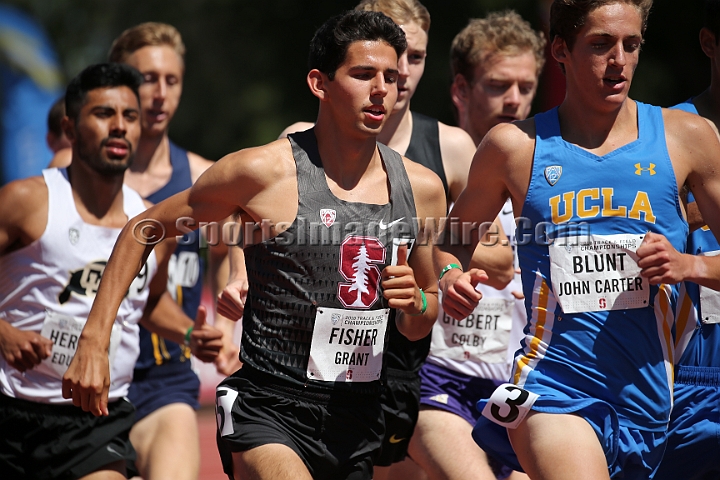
x: 639, y: 169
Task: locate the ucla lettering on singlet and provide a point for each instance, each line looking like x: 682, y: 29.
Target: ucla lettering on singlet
x: 598, y: 202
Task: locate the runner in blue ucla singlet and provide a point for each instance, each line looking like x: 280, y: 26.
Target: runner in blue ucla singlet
x: 694, y: 432
x: 163, y: 373
x: 598, y: 341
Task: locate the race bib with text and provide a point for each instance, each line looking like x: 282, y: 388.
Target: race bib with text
x: 347, y: 345
x: 709, y: 300
x: 482, y: 337
x: 64, y: 331
x: 598, y: 272
x: 509, y: 405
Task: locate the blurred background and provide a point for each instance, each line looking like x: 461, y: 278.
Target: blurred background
x: 246, y: 61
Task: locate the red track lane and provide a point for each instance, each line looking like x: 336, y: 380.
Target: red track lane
x: 210, y: 466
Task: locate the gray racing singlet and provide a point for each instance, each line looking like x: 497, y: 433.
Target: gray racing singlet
x: 315, y: 314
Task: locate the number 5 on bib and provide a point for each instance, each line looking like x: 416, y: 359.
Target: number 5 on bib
x: 509, y: 405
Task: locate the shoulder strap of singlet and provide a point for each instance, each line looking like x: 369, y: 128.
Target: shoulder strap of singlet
x: 310, y: 171
x: 397, y: 177
x: 61, y: 204
x: 424, y: 147
x: 650, y: 123
x: 311, y: 175
x: 180, y: 178
x: 132, y: 202
x: 547, y: 124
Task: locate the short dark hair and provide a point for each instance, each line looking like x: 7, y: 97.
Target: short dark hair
x: 711, y: 18
x: 55, y: 116
x: 101, y: 75
x: 567, y: 17
x: 331, y: 41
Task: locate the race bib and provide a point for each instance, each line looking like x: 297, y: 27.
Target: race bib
x: 598, y: 272
x: 183, y: 271
x: 224, y: 401
x: 509, y: 405
x: 710, y: 300
x: 347, y: 345
x: 482, y: 337
x: 64, y: 331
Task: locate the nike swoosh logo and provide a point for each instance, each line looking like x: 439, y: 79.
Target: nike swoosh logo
x: 395, y: 440
x: 112, y: 450
x: 383, y: 226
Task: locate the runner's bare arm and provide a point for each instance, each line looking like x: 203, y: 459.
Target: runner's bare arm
x: 23, y: 216
x: 695, y: 153
x: 23, y: 213
x: 231, y: 300
x: 417, y: 273
x: 231, y: 288
x: 164, y: 316
x: 213, y: 197
x: 494, y: 256
x: 457, y: 149
x: 500, y: 169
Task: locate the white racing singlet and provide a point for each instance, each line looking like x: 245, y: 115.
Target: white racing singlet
x: 49, y: 286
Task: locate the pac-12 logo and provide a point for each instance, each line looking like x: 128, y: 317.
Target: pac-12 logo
x: 552, y: 174
x: 328, y: 215
x: 359, y: 257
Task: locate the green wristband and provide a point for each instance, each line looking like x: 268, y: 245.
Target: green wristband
x: 187, y: 336
x: 447, y: 268
x: 424, y: 304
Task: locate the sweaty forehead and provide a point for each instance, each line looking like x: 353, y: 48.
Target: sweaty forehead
x: 371, y: 53
x: 521, y: 65
x: 155, y: 57
x: 416, y: 37
x: 615, y: 19
x: 117, y: 97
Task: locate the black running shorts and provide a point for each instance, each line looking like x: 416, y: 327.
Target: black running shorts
x: 336, y: 434
x: 43, y: 441
x: 401, y: 406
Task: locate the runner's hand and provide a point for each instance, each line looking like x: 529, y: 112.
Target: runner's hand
x: 660, y: 261
x: 459, y: 297
x: 231, y: 301
x: 228, y: 360
x: 519, y: 295
x: 87, y: 380
x: 205, y: 340
x: 22, y: 349
x: 399, y: 286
